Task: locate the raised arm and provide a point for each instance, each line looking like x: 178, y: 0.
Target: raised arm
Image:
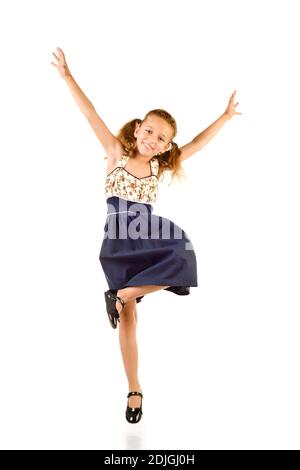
x: 109, y: 142
x: 205, y: 136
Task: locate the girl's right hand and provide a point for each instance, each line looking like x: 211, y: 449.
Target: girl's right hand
x: 62, y: 64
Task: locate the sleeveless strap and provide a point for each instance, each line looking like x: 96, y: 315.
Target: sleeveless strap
x: 155, y: 166
x: 123, y: 160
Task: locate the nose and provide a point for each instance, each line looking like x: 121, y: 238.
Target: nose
x: 152, y: 141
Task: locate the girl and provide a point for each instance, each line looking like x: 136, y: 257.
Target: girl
x: 159, y: 255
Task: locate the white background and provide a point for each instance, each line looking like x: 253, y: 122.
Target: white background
x: 219, y: 368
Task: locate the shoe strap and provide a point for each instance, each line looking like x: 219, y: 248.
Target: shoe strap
x: 115, y: 297
x: 121, y: 300
x: 130, y: 394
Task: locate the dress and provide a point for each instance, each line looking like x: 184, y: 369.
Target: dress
x: 139, y: 247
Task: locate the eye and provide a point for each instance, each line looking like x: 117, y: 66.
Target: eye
x: 147, y: 130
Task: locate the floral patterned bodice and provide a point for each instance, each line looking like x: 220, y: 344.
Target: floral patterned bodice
x: 119, y: 182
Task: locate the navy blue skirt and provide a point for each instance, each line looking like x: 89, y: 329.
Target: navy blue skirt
x: 140, y: 248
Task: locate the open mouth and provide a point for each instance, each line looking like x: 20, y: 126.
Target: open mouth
x: 147, y: 147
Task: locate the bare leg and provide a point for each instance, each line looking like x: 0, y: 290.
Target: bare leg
x: 129, y: 351
x: 127, y: 335
x: 131, y: 293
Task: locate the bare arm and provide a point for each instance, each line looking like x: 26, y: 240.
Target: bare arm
x: 205, y: 136
x: 109, y: 142
x: 85, y: 105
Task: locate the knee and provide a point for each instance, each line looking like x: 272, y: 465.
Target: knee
x: 129, y: 312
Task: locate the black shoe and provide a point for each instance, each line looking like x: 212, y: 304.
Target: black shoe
x: 112, y: 312
x: 133, y: 415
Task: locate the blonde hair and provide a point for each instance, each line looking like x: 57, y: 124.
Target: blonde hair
x: 169, y: 160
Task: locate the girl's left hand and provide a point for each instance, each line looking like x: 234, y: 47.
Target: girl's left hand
x: 230, y: 111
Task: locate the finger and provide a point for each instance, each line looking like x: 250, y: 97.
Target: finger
x: 62, y: 57
x: 60, y: 51
x: 236, y: 104
x: 54, y: 64
x: 56, y: 56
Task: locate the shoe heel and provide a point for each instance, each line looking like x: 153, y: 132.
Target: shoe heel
x: 112, y: 312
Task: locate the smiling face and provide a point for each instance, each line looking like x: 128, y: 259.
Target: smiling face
x: 153, y: 136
